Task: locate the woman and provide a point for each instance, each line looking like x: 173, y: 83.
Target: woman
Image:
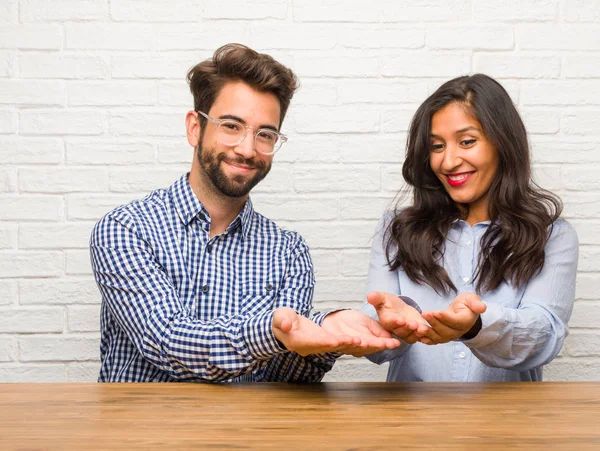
x: 481, y: 250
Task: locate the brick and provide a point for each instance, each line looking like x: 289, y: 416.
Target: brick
x: 100, y: 36
x: 388, y: 91
x: 142, y: 180
x: 8, y: 122
x: 371, y: 207
x: 515, y: 11
x: 83, y: 372
x: 585, y: 314
x: 578, y: 204
x: 582, y: 344
x: 178, y: 150
x: 341, y: 290
x: 499, y: 65
x: 8, y: 349
x: 296, y: 208
x: 162, y: 66
x: 589, y: 258
x: 158, y: 11
x: 60, y: 349
x: 372, y: 148
x: 587, y: 286
x: 9, y: 292
x: 93, y: 206
x: 341, y: 10
x: 551, y: 150
x: 31, y: 208
x: 396, y: 120
x: 317, y: 92
x: 8, y: 11
x: 583, y: 92
x: 109, y: 152
x: 337, y: 178
x: 338, y: 235
x: 278, y: 181
x: 147, y: 124
x: 14, y: 373
x: 355, y: 263
x: 346, y: 119
x: 429, y: 64
x: 481, y: 37
x: 65, y: 10
x: 557, y: 37
x: 326, y: 263
x: 84, y: 318
x: 175, y: 94
x: 582, y: 122
x: 8, y: 180
x: 286, y: 37
x: 348, y: 65
x: 66, y: 290
x: 425, y: 11
x: 548, y: 177
x: 311, y: 149
x: 581, y: 66
x: 28, y: 92
x: 241, y: 9
x: 214, y: 34
x: 26, y: 321
x: 6, y: 63
x: 114, y: 93
x: 31, y: 37
x: 581, y: 178
x: 78, y: 262
x: 55, y: 236
x: 17, y: 150
x: 31, y: 264
x: 381, y: 37
x: 581, y: 11
x: 63, y: 180
x: 580, y: 369
x: 61, y: 122
x: 587, y: 231
x: 392, y: 179
x: 8, y: 236
x: 62, y: 66
x: 541, y: 121
x: 356, y: 370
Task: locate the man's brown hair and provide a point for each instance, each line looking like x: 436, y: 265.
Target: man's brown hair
x: 236, y: 62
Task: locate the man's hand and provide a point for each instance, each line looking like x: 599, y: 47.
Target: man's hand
x: 303, y: 336
x: 373, y: 337
x: 398, y: 317
x: 455, y: 321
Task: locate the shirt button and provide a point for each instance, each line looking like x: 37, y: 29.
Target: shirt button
x: 466, y: 279
x: 269, y: 287
x: 205, y: 289
x: 468, y: 243
x: 462, y: 354
x: 208, y: 248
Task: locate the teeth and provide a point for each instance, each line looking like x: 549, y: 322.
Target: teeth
x: 456, y: 178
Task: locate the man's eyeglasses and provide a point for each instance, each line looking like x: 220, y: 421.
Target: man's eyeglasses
x: 231, y: 133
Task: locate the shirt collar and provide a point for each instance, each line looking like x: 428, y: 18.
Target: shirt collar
x: 188, y: 206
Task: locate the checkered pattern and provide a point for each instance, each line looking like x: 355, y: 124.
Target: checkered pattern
x: 179, y: 305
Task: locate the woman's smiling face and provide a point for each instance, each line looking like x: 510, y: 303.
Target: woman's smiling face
x: 463, y: 159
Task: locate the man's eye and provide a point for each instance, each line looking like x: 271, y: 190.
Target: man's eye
x: 267, y: 136
x: 232, y: 126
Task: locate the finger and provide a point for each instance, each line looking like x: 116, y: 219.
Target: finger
x: 284, y: 320
x: 377, y: 329
x: 455, y: 321
x: 376, y: 299
x: 476, y: 305
x: 438, y: 332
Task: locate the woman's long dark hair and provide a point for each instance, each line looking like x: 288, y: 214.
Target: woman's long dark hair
x: 521, y: 213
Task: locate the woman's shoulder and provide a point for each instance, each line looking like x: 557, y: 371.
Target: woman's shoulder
x: 563, y: 231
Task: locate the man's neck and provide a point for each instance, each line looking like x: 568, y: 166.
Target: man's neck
x: 222, y: 209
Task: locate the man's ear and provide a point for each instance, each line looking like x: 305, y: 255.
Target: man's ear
x: 192, y: 128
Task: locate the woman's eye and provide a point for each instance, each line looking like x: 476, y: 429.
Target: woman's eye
x: 468, y: 142
x: 437, y: 147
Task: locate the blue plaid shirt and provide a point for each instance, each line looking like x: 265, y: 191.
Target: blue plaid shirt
x: 179, y: 305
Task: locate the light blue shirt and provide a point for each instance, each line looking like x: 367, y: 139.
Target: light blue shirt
x: 522, y: 329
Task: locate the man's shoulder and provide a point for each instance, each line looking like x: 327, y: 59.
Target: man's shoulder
x: 266, y: 227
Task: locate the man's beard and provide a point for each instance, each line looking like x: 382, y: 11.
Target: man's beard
x: 237, y: 186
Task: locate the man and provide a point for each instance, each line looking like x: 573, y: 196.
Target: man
x: 195, y: 284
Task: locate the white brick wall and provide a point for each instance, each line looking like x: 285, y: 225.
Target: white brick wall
x: 92, y: 106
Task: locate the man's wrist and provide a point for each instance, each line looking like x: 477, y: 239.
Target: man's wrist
x: 473, y: 331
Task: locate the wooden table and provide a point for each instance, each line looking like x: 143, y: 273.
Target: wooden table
x: 344, y: 416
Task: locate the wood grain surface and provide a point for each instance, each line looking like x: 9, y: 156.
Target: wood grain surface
x: 341, y: 416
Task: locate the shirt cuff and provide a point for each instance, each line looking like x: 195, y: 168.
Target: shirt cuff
x: 492, y: 324
x: 258, y: 334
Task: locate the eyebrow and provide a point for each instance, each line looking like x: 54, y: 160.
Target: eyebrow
x: 239, y: 119
x: 458, y: 132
